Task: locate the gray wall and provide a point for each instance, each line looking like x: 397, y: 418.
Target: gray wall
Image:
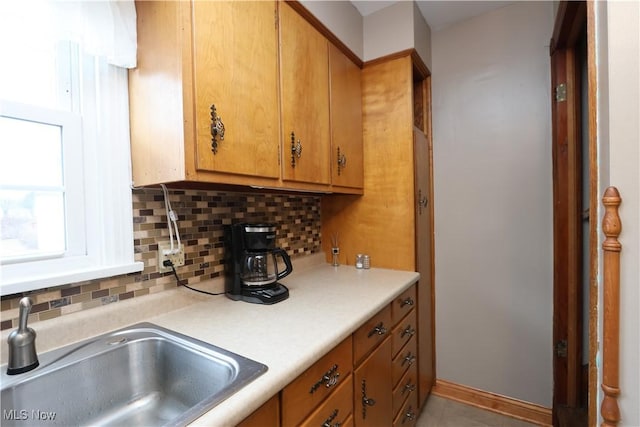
x: 342, y: 18
x: 493, y: 202
x: 393, y: 29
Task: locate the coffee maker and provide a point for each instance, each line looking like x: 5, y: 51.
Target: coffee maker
x: 251, y: 264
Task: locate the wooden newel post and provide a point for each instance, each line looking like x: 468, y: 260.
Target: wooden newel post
x: 611, y: 247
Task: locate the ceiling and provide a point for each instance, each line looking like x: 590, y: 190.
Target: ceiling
x: 438, y: 14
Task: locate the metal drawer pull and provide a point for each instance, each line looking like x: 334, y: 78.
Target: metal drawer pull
x: 328, y: 421
x: 408, y: 358
x: 409, y: 415
x: 408, y: 331
x: 329, y: 379
x: 379, y: 329
x: 217, y: 129
x: 408, y: 387
x: 406, y: 301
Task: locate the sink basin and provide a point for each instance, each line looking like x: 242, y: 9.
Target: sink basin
x: 142, y: 375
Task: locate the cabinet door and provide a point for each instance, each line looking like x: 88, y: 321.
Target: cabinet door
x: 423, y: 255
x: 304, y: 85
x: 266, y: 415
x: 235, y: 68
x: 346, y: 121
x: 372, y: 389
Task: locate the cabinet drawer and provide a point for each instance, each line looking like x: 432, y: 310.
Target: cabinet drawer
x: 408, y: 415
x: 403, y: 332
x: 371, y: 334
x: 336, y: 409
x: 406, y: 358
x: 407, y: 387
x: 403, y: 304
x: 307, y: 391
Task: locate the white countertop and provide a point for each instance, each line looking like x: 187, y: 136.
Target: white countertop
x: 326, y: 304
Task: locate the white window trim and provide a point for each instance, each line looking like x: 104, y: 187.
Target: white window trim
x: 108, y: 223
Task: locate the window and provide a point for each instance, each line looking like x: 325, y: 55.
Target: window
x: 65, y: 196
x: 41, y: 214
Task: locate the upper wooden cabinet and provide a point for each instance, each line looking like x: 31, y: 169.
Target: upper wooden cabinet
x: 264, y: 71
x: 304, y: 85
x: 346, y: 121
x: 192, y: 55
x: 235, y: 69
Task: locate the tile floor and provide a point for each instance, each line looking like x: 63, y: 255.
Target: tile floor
x: 440, y: 412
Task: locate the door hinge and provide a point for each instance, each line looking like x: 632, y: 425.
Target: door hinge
x: 561, y: 92
x: 561, y: 348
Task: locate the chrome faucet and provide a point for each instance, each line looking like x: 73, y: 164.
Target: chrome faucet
x: 22, y: 343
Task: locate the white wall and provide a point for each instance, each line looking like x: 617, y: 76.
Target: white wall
x: 388, y: 31
x: 342, y: 18
x: 493, y: 202
x: 398, y: 27
x: 618, y: 38
x: 421, y: 36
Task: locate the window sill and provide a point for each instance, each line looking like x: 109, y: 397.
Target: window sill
x: 24, y: 284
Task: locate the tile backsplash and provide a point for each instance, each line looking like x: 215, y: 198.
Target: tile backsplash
x: 201, y: 217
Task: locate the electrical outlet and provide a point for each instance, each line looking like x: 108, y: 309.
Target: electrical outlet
x: 164, y: 253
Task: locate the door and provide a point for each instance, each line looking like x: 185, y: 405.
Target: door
x: 571, y: 272
x: 423, y: 216
x: 235, y: 69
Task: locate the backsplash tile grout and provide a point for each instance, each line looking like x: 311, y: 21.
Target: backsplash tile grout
x: 201, y: 218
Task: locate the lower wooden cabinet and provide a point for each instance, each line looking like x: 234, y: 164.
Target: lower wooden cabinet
x: 336, y: 409
x: 406, y: 388
x: 315, y: 384
x: 372, y: 388
x: 369, y: 379
x: 405, y: 359
x: 265, y: 416
x: 408, y: 415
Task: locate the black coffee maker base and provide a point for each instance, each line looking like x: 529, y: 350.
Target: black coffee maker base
x: 264, y: 295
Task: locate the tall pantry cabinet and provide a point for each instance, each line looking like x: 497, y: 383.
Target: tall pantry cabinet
x: 392, y: 221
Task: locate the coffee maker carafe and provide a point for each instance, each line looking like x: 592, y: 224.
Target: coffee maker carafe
x: 251, y: 264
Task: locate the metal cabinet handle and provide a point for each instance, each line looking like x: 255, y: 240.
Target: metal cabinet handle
x: 217, y: 129
x: 379, y: 329
x: 409, y: 358
x: 407, y: 301
x: 328, y: 421
x: 329, y: 379
x: 409, y: 415
x: 342, y: 161
x: 408, y: 387
x: 296, y: 149
x: 422, y: 202
x: 407, y: 331
x: 366, y: 401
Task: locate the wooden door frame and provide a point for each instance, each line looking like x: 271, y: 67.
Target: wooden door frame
x: 571, y: 18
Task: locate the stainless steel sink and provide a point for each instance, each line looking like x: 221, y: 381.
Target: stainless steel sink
x: 142, y: 375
